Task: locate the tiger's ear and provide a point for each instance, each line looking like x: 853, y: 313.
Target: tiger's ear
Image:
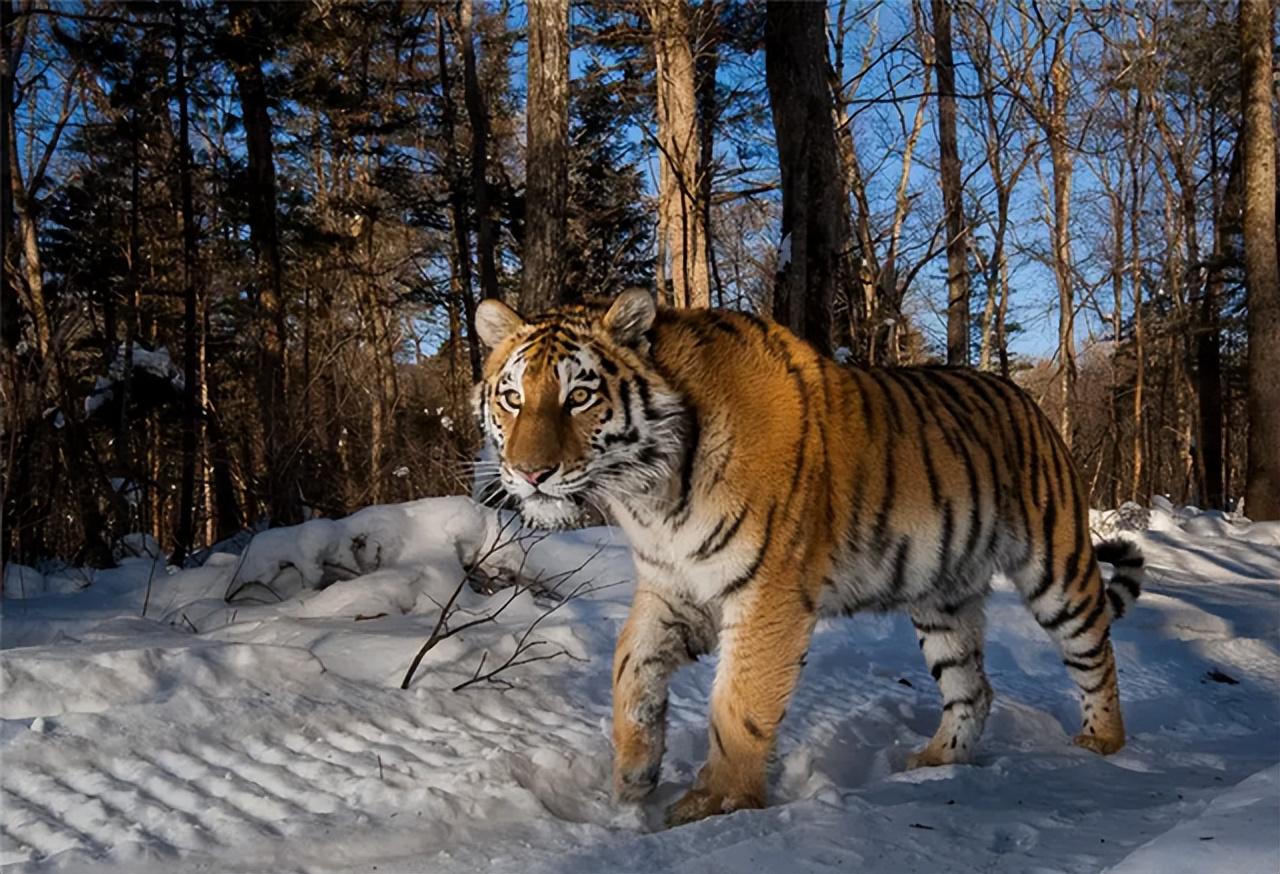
x: 630, y: 316
x: 495, y: 321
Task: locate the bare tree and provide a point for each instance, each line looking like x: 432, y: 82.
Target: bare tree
x: 1000, y: 125
x: 682, y: 219
x: 1262, y: 491
x: 478, y: 115
x: 191, y: 413
x: 1047, y: 99
x: 547, y: 156
x: 800, y: 99
x: 9, y: 326
x: 952, y: 190
x: 252, y: 44
x: 461, y: 301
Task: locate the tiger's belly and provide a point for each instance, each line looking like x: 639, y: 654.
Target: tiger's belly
x: 901, y: 578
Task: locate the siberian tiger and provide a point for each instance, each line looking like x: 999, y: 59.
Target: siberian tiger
x: 762, y: 485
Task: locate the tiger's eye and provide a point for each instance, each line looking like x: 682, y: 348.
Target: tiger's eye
x: 511, y: 398
x: 579, y: 396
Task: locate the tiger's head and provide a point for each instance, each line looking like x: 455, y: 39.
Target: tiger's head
x: 574, y: 405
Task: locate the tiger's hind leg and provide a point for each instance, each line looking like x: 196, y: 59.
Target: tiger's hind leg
x: 1075, y: 611
x: 952, y: 640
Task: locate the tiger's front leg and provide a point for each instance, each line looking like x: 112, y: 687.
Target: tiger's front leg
x: 663, y: 632
x: 765, y: 634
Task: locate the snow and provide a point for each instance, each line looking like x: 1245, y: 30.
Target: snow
x: 157, y: 362
x: 269, y: 732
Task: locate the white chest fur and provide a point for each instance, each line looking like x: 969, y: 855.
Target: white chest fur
x: 669, y: 556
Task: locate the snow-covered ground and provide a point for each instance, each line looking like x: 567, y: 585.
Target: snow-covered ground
x: 268, y: 732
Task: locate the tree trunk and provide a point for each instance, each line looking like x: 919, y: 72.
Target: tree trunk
x: 10, y: 325
x: 546, y: 156
x: 460, y: 275
x: 29, y: 239
x: 1062, y: 163
x: 681, y: 218
x: 1132, y: 146
x: 952, y: 195
x: 1209, y: 353
x: 863, y: 263
x: 1119, y: 261
x: 478, y: 115
x: 795, y: 74
x: 282, y: 481
x: 706, y: 63
x: 19, y: 423
x: 1262, y: 274
x: 191, y: 309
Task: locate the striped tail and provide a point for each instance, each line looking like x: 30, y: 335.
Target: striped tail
x: 1125, y: 584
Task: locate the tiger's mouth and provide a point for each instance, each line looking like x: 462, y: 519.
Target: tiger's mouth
x: 552, y: 513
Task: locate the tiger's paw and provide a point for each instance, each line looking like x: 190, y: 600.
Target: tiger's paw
x: 633, y: 785
x: 700, y: 803
x: 1100, y: 744
x: 937, y: 754
x: 927, y: 758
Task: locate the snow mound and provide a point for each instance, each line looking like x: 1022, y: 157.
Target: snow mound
x: 1164, y: 516
x: 1236, y: 832
x: 247, y: 715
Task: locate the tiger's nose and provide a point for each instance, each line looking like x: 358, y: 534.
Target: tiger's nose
x: 537, y: 477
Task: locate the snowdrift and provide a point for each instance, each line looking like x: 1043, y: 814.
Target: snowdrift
x: 247, y: 715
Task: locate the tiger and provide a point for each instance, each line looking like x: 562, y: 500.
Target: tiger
x: 762, y: 485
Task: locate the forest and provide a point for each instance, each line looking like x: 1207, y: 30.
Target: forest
x: 243, y: 243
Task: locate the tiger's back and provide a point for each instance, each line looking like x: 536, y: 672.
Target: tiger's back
x: 783, y: 486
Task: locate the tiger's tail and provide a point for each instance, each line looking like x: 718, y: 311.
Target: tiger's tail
x: 1125, y: 584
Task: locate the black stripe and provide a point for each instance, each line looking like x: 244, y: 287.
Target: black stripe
x: 953, y: 609
x: 939, y: 666
x: 1106, y: 678
x: 723, y: 324
x: 900, y: 568
x: 1083, y: 666
x: 718, y: 539
x: 1066, y: 614
x: 802, y: 391
x: 1036, y: 453
x: 1050, y: 520
x: 948, y: 530
x: 887, y: 500
x: 752, y: 728
x: 1119, y: 553
x: 631, y: 435
x: 646, y: 396
x: 749, y: 574
x: 960, y: 702
x: 621, y: 667
x: 977, y: 384
x: 883, y: 380
x: 648, y: 559
x: 1093, y: 651
x: 1129, y: 585
x: 1073, y: 564
x: 1117, y: 603
x: 693, y: 437
x: 624, y: 401
x: 868, y: 415
x: 932, y: 628
x: 1089, y: 621
x: 715, y: 733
